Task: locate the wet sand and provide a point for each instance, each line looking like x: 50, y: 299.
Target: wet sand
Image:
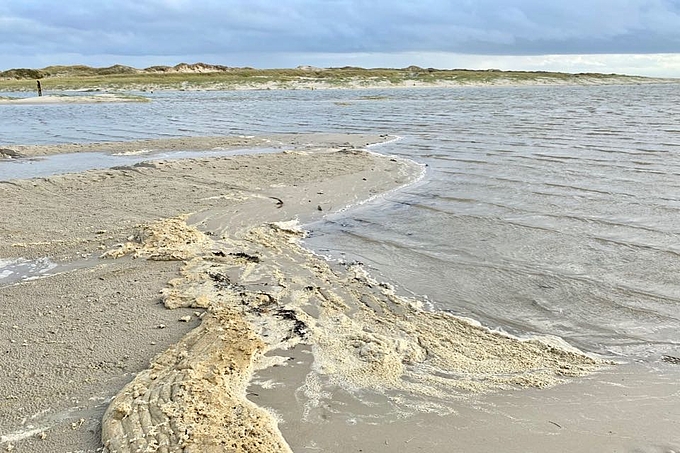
x: 206, y: 326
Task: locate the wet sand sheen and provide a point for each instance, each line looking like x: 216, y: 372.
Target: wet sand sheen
x: 262, y: 292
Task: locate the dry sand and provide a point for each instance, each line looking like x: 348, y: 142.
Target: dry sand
x: 217, y: 241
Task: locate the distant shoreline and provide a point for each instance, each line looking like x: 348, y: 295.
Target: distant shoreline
x: 202, y: 76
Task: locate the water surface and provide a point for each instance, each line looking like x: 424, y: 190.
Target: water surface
x: 544, y: 210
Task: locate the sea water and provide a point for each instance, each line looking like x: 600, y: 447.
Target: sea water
x: 545, y: 210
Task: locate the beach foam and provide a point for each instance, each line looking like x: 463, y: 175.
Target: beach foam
x: 263, y: 292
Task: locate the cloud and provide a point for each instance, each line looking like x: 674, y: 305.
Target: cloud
x: 135, y: 28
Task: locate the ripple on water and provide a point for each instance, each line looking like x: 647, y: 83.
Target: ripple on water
x: 546, y: 209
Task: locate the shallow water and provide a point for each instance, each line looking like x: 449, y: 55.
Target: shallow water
x: 544, y: 210
x: 60, y: 164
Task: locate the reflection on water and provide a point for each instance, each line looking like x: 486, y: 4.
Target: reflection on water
x: 545, y: 209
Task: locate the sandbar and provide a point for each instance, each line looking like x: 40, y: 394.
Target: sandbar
x: 79, y: 99
x: 297, y: 141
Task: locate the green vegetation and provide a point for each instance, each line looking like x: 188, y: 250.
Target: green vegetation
x: 22, y: 73
x: 203, y: 76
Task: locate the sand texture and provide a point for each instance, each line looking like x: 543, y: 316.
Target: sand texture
x: 217, y: 240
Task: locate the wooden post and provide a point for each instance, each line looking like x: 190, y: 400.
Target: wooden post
x: 39, y: 88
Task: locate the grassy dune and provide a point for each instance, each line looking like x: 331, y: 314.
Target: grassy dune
x: 203, y: 76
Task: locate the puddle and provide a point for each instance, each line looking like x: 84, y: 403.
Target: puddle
x: 17, y: 270
x: 25, y: 168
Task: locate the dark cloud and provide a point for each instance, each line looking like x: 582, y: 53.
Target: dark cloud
x: 184, y: 27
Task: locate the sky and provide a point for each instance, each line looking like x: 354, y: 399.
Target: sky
x: 638, y: 37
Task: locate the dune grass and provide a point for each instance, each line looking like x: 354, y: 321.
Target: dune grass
x: 126, y: 78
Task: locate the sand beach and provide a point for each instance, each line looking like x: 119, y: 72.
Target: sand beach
x: 216, y: 241
x: 185, y: 314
